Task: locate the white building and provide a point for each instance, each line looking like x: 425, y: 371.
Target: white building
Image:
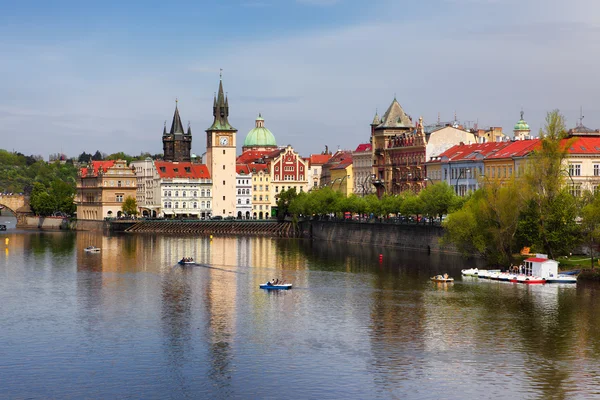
x: 243, y: 208
x: 148, y: 196
x: 362, y: 167
x: 185, y: 190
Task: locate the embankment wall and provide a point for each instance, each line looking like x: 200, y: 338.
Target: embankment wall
x: 413, y: 237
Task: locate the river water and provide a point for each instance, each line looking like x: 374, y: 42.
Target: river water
x: 129, y: 323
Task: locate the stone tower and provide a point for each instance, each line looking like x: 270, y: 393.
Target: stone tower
x: 220, y: 156
x: 177, y: 144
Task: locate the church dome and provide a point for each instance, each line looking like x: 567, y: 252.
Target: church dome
x: 521, y: 125
x: 260, y: 136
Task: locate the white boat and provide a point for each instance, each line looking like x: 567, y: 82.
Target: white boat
x: 92, y: 249
x: 486, y: 273
x: 470, y: 272
x: 562, y: 279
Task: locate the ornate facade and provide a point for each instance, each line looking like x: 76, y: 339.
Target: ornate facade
x: 399, y: 150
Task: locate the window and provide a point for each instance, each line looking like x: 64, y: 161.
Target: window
x: 208, y: 204
x: 267, y: 197
x: 267, y: 187
x: 195, y: 193
x: 239, y: 191
x: 574, y: 169
x: 254, y: 187
x: 203, y: 204
x: 119, y: 198
x: 183, y: 194
x: 575, y: 190
x: 261, y: 188
x: 247, y: 201
x: 596, y: 169
x: 176, y: 204
x: 277, y: 189
x: 183, y: 205
x: 223, y: 151
x: 202, y: 193
x: 223, y: 198
x: 223, y: 166
x: 208, y: 193
x: 176, y: 193
x: 239, y: 201
x: 195, y: 204
x: 254, y: 198
x: 119, y: 183
x: 223, y: 183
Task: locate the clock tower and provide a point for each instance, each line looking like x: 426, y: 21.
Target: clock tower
x: 220, y: 156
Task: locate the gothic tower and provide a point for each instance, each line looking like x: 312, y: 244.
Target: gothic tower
x: 177, y: 144
x: 220, y: 156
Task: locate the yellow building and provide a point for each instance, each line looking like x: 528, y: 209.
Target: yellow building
x: 342, y: 178
x: 102, y: 187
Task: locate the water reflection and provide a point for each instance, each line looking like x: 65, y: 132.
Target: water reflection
x: 361, y: 322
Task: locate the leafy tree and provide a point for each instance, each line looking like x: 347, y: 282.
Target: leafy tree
x: 42, y: 203
x: 129, y: 206
x: 590, y: 225
x: 286, y: 197
x: 437, y: 199
x: 544, y: 179
x: 120, y: 156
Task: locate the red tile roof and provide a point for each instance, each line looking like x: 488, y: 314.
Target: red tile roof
x: 536, y: 259
x: 465, y: 152
x: 242, y: 169
x: 167, y: 169
x: 517, y: 148
x: 319, y: 159
x: 97, y: 165
x: 255, y: 155
x: 258, y: 167
x: 343, y: 165
x: 363, y: 147
x: 583, y: 145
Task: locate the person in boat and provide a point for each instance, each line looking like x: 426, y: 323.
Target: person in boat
x: 445, y: 276
x: 270, y: 283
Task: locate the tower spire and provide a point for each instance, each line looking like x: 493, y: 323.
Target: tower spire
x: 221, y: 109
x: 176, y: 125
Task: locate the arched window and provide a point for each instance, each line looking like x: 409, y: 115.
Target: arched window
x: 176, y: 193
x: 183, y: 195
x: 239, y: 191
x: 208, y: 204
x: 208, y: 193
x: 203, y: 193
x: 195, y: 204
x: 195, y: 193
x: 183, y: 206
x: 169, y: 193
x: 166, y: 205
x: 247, y: 201
x: 203, y: 205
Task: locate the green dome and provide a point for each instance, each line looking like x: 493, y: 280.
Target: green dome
x: 521, y: 125
x: 260, y: 136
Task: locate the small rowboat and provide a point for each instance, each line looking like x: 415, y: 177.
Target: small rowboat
x: 92, y: 249
x: 271, y: 286
x: 181, y: 262
x: 441, y: 278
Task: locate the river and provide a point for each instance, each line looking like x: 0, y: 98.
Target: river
x: 129, y: 322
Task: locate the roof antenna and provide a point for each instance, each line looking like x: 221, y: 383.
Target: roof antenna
x: 580, y: 116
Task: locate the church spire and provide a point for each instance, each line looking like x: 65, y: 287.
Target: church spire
x: 221, y: 110
x: 176, y: 126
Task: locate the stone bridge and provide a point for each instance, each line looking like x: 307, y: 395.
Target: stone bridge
x: 18, y: 204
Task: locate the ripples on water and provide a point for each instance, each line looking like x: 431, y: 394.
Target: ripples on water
x: 129, y: 323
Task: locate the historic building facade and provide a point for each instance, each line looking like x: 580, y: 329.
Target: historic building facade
x: 362, y: 166
x: 243, y: 208
x: 185, y: 190
x: 102, y: 187
x: 148, y: 195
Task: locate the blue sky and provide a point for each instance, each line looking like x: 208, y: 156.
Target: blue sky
x: 104, y: 75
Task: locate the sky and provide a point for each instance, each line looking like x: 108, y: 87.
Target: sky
x: 104, y: 75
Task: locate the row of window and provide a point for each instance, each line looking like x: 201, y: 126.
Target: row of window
x: 203, y: 204
x: 240, y: 201
x: 203, y: 193
x: 243, y: 191
x: 118, y: 183
x: 261, y: 198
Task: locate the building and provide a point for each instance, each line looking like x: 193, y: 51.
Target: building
x: 362, y: 167
x: 243, y: 208
x: 177, y: 144
x: 509, y: 161
x: 315, y: 162
x: 148, y: 190
x: 583, y: 164
x: 185, y: 190
x: 491, y: 135
x: 340, y: 157
x: 221, y: 157
x: 342, y: 177
x: 259, y: 138
x: 443, y: 138
x: 521, y: 129
x: 102, y: 187
x: 399, y: 152
x: 462, y: 166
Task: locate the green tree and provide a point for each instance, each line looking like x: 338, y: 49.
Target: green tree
x: 544, y: 180
x: 129, y: 206
x: 590, y: 225
x: 437, y: 199
x: 284, y: 200
x: 42, y: 203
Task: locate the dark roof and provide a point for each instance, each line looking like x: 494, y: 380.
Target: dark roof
x: 395, y: 117
x: 176, y: 126
x: 221, y: 112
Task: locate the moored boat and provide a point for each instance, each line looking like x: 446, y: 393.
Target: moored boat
x: 186, y: 261
x: 92, y: 249
x: 442, y: 278
x: 562, y: 278
x: 470, y: 272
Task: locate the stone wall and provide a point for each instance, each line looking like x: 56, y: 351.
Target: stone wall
x: 46, y: 223
x: 88, y: 225
x: 414, y: 237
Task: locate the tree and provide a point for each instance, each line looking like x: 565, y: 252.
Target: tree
x: 437, y: 199
x: 42, y: 203
x: 544, y: 179
x: 284, y: 200
x: 97, y: 156
x: 129, y: 206
x: 590, y: 225
x: 84, y: 158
